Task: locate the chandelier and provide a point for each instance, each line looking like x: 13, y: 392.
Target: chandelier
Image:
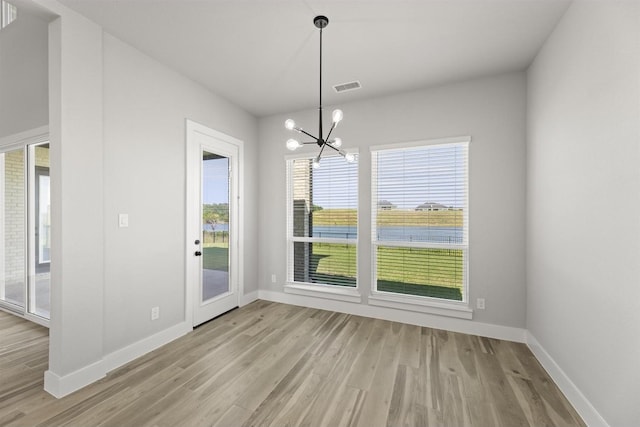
x: 322, y: 142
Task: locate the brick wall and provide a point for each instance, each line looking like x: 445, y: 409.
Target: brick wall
x: 14, y: 212
x: 14, y: 217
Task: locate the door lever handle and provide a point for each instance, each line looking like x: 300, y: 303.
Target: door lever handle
x: 198, y: 253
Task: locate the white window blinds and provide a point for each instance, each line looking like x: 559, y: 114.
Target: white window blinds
x: 322, y: 221
x: 420, y: 219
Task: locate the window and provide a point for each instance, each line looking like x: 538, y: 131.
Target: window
x: 420, y: 220
x: 8, y: 13
x: 322, y: 222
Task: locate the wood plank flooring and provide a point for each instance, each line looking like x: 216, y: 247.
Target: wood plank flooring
x: 270, y: 364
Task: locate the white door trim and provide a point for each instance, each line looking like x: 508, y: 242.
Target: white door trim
x: 193, y: 199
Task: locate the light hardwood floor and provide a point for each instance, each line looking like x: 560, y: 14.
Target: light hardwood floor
x: 270, y: 364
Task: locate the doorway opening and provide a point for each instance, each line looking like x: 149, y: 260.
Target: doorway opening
x: 25, y: 230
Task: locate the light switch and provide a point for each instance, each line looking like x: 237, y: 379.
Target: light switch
x: 123, y: 220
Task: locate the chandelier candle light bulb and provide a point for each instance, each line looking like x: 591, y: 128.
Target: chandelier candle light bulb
x: 292, y: 144
x: 290, y: 124
x: 320, y: 22
x: 337, y: 116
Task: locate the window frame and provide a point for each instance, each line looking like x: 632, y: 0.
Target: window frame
x: 336, y: 292
x: 440, y: 306
x: 8, y: 13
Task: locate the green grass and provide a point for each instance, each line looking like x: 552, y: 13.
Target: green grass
x: 426, y: 272
x: 215, y: 258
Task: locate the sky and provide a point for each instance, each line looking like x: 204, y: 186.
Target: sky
x: 216, y: 183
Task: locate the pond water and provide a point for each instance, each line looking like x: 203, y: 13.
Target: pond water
x: 398, y: 233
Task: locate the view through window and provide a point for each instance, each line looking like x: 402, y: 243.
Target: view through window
x: 322, y: 226
x: 420, y: 220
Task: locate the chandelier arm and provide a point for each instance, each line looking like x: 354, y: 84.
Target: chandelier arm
x: 322, y: 149
x: 335, y: 148
x: 306, y: 133
x: 333, y: 126
x: 309, y: 143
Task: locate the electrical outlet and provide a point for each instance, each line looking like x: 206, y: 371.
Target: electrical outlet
x: 273, y: 278
x: 155, y: 313
x: 123, y: 220
x: 480, y: 304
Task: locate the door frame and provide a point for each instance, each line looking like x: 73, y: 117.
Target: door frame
x: 192, y: 214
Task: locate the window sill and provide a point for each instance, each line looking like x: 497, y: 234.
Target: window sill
x: 421, y: 305
x: 324, y: 291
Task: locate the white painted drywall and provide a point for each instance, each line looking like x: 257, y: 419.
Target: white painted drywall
x: 23, y: 74
x: 145, y: 107
x: 490, y: 110
x: 583, y: 203
x: 77, y: 274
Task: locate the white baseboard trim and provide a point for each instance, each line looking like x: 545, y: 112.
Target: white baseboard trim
x: 131, y: 352
x: 248, y: 298
x: 395, y: 315
x: 581, y: 404
x: 61, y: 386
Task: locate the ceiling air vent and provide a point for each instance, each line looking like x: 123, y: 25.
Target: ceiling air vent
x: 344, y: 87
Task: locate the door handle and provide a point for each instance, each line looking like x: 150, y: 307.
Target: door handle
x: 198, y: 253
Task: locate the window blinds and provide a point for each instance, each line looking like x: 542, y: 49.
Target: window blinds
x: 324, y: 201
x: 420, y: 220
x: 322, y: 221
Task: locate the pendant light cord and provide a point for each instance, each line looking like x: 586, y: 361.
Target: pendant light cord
x: 320, y: 136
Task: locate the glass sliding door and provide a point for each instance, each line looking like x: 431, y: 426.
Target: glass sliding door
x: 25, y: 230
x: 39, y: 230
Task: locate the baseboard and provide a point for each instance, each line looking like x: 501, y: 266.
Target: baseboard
x: 131, y: 352
x: 248, y: 298
x: 581, y: 404
x: 395, y: 315
x: 61, y: 386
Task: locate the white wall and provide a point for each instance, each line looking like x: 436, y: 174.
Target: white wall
x: 118, y: 146
x: 77, y: 277
x: 23, y: 75
x: 146, y: 105
x: 583, y: 204
x: 491, y: 111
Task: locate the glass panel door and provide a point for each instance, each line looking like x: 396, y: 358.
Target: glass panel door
x: 25, y: 230
x: 40, y: 230
x: 212, y: 207
x: 215, y: 225
x: 12, y: 229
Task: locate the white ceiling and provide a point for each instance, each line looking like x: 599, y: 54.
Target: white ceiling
x: 263, y: 54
